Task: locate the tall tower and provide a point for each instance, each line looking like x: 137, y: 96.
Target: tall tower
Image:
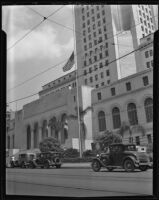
x: 105, y: 33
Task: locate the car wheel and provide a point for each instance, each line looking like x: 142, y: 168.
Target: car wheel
x: 12, y: 165
x: 23, y: 165
x: 110, y: 169
x: 129, y: 165
x: 96, y: 165
x: 58, y: 166
x: 46, y: 165
x: 31, y: 165
x: 143, y: 168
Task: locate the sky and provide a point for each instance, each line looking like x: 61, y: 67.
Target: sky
x: 46, y: 46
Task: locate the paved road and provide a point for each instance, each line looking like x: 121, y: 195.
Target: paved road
x: 72, y: 180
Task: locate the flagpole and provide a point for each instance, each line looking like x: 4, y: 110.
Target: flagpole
x: 75, y: 58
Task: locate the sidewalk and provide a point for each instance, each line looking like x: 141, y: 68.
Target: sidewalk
x: 76, y: 165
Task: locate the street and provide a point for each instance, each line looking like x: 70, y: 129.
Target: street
x: 77, y: 181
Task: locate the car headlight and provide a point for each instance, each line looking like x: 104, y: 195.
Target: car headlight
x: 97, y: 155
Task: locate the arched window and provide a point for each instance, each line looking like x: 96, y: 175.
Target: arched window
x: 101, y: 121
x: 132, y: 114
x: 28, y: 137
x: 8, y: 142
x: 148, y: 104
x: 116, y: 117
x: 36, y: 135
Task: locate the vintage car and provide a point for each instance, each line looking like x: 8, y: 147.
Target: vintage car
x: 22, y: 159
x: 46, y: 160
x: 121, y: 156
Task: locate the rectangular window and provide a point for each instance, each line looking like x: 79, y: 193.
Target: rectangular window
x: 91, y: 79
x: 106, y: 53
x: 102, y: 84
x: 102, y: 75
x: 88, y: 22
x: 151, y: 54
x: 145, y: 80
x: 137, y: 140
x: 128, y: 86
x: 96, y: 77
x: 113, y: 91
x: 97, y: 86
x: 105, y: 36
x: 95, y: 42
x: 95, y: 58
x: 100, y: 55
x: 101, y: 65
x: 74, y: 98
x: 90, y: 70
x: 148, y: 64
x: 85, y: 72
x: 103, y: 12
x: 95, y: 67
x: 99, y: 95
x: 94, y: 34
x: 107, y: 72
x: 93, y: 19
x: 106, y: 63
x: 146, y: 54
x: 83, y: 25
x: 149, y: 138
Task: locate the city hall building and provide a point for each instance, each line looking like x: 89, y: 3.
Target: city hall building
x: 118, y: 90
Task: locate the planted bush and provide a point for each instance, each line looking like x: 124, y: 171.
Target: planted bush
x: 71, y: 153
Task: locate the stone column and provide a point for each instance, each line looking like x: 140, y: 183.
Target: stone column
x: 49, y: 131
x: 40, y: 134
x: 32, y: 138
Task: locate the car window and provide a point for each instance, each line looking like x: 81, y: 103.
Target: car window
x: 130, y: 148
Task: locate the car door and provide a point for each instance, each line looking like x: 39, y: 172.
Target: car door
x: 118, y: 155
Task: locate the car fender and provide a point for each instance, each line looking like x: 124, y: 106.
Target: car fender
x: 97, y: 159
x: 129, y: 157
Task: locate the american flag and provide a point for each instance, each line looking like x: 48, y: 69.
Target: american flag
x: 69, y: 63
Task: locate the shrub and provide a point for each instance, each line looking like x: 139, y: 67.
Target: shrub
x: 71, y: 153
x: 89, y: 153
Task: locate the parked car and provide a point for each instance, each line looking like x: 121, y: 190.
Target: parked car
x: 22, y: 160
x: 47, y: 160
x: 121, y: 156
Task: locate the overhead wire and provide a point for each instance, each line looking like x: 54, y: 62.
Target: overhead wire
x: 65, y: 59
x: 84, y: 74
x: 44, y: 18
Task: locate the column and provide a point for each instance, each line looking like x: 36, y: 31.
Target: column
x: 49, y: 131
x: 40, y: 134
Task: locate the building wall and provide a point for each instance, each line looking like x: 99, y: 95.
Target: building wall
x: 137, y: 95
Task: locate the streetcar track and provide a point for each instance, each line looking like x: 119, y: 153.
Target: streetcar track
x: 79, y: 188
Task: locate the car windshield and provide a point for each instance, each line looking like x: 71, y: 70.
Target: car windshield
x: 130, y: 148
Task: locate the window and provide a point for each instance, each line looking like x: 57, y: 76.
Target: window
x: 96, y: 77
x: 103, y: 12
x: 100, y: 40
x: 84, y: 33
x: 100, y: 55
x: 85, y: 81
x: 146, y: 54
x: 95, y: 67
x: 91, y: 79
x: 99, y: 31
x: 90, y: 45
x: 83, y: 17
x: 98, y: 16
x: 94, y: 26
x: 102, y: 84
x: 128, y: 86
x: 105, y: 28
x: 85, y: 47
x: 13, y: 141
x: 116, y: 117
x: 107, y: 72
x: 105, y: 35
x: 92, y: 11
x: 93, y: 19
x: 106, y: 45
x: 97, y: 86
x: 108, y: 81
x: 151, y: 52
x: 141, y: 20
x: 106, y: 63
x: 132, y: 114
x: 101, y: 121
x: 106, y: 53
x: 85, y: 72
x: 8, y: 142
x: 95, y: 58
x: 99, y: 95
x: 88, y: 29
x: 94, y: 34
x: 83, y: 25
x: 88, y: 22
x: 101, y: 65
x: 148, y: 104
x: 88, y: 14
x: 137, y: 140
x: 148, y: 64
x: 99, y: 23
x: 95, y: 42
x: 84, y: 40
x: 112, y: 91
x: 145, y: 80
x: 90, y: 70
x: 85, y: 63
x: 149, y: 139
x: 102, y: 75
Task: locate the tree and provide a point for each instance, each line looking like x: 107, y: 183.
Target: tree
x: 125, y: 126
x: 107, y: 138
x: 50, y: 144
x: 82, y: 113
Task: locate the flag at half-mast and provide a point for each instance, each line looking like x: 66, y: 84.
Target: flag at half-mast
x: 69, y: 63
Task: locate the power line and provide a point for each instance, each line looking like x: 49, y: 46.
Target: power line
x: 84, y: 74
x: 45, y: 18
x: 67, y: 59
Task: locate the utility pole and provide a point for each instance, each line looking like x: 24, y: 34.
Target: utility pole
x: 75, y: 58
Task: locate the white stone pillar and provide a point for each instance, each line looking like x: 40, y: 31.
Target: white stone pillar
x: 40, y: 134
x: 49, y: 131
